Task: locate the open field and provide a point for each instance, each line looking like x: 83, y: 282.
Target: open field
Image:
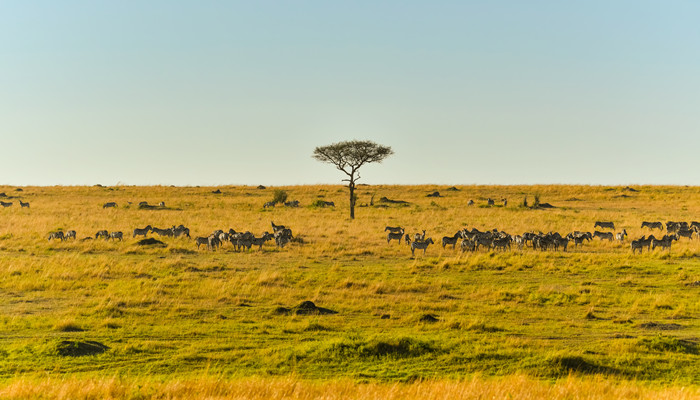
x: 159, y: 317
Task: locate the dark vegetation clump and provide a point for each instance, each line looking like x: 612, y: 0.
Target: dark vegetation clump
x: 69, y: 348
x: 280, y: 196
x: 434, y: 194
x: 578, y: 364
x: 452, y: 189
x: 151, y: 242
x: 305, y: 308
x: 217, y: 191
x: 660, y: 327
x: 387, y: 200
x: 668, y: 344
x: 261, y: 187
x: 429, y: 318
x: 404, y: 347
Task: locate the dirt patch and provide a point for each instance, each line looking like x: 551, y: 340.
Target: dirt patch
x: 69, y: 348
x: 305, y: 308
x: 151, y: 242
x: 661, y: 327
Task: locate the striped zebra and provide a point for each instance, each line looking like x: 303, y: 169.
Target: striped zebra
x: 422, y: 245
x: 419, y: 237
x: 653, y: 225
x: 269, y: 204
x: 56, y: 235
x: 620, y: 236
x: 163, y: 232
x: 604, y: 225
x: 103, y: 233
x: 501, y: 243
x: 200, y: 240
x: 261, y: 240
x: 664, y: 242
x: 142, y: 232
x: 71, y: 234
x: 116, y: 235
x: 394, y: 236
x: 23, y: 205
x: 111, y: 204
x: 451, y: 240
x: 4, y: 204
x: 604, y: 235
x: 642, y: 242
x: 394, y: 229
x: 470, y: 203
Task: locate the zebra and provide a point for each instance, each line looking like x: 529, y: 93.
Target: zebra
x: 467, y: 244
x: 621, y: 235
x: 4, y: 204
x: 685, y: 233
x: 213, y: 242
x: 394, y: 229
x: 163, y: 232
x: 394, y: 235
x: 653, y: 225
x: 407, y: 238
x: 419, y: 237
x: 269, y: 204
x: 638, y: 245
x: 672, y: 226
x: 293, y: 203
x: 451, y: 240
x: 502, y: 243
x: 142, y: 232
x: 57, y: 235
x: 70, y: 235
x: 261, y: 240
x: 470, y: 203
x: 328, y: 204
x: 505, y: 202
x: 604, y: 225
x: 282, y: 237
x: 111, y: 204
x: 200, y: 240
x: 604, y: 235
x: 490, y: 202
x: 116, y: 235
x: 664, y: 242
x: 161, y: 204
x: 420, y: 245
x: 102, y: 233
x: 276, y: 228
x: 23, y: 205
x: 180, y: 230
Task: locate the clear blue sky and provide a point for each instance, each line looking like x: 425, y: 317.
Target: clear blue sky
x: 240, y: 92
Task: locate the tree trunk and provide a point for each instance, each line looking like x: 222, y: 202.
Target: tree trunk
x: 351, y: 186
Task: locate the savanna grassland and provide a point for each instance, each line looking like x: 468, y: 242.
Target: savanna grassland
x: 110, y: 319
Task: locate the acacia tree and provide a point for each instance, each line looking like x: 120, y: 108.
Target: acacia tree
x: 349, y: 157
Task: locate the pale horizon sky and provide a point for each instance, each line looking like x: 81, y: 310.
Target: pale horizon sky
x: 237, y: 92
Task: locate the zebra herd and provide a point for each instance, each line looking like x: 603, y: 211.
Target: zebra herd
x: 472, y: 240
x: 6, y: 204
x: 240, y: 240
x: 245, y: 240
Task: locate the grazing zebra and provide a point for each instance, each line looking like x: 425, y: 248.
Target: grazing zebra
x: 685, y: 233
x: 603, y: 235
x: 213, y: 242
x: 102, y: 233
x: 490, y: 202
x: 467, y: 244
x: 470, y: 203
x: 420, y: 245
x: 451, y: 240
x: 328, y: 204
x: 672, y: 226
x: 282, y: 237
x: 142, y: 232
x: 70, y: 235
x: 664, y: 242
x: 56, y: 235
x: 111, y: 204
x: 163, y: 232
x: 501, y: 243
x: 653, y: 225
x: 180, y: 230
x: 200, y: 240
x: 23, y: 205
x: 261, y: 240
x: 604, y: 225
x: 269, y: 204
x: 116, y: 235
x: 394, y: 235
x: 621, y: 235
x: 482, y: 241
x: 293, y: 203
x: 695, y: 225
x: 161, y: 204
x: 4, y: 204
x: 394, y: 229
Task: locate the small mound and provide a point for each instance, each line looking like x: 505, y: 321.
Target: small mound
x: 217, y: 191
x: 430, y: 318
x: 151, y: 242
x: 69, y: 348
x: 545, y: 205
x: 305, y: 308
x: 434, y: 194
x: 452, y: 189
x: 629, y: 189
x: 387, y: 200
x: 261, y: 187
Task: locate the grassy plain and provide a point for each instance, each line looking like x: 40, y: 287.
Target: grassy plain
x: 596, y: 320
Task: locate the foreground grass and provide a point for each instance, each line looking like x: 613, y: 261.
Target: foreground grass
x: 174, y: 314
x: 518, y: 387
